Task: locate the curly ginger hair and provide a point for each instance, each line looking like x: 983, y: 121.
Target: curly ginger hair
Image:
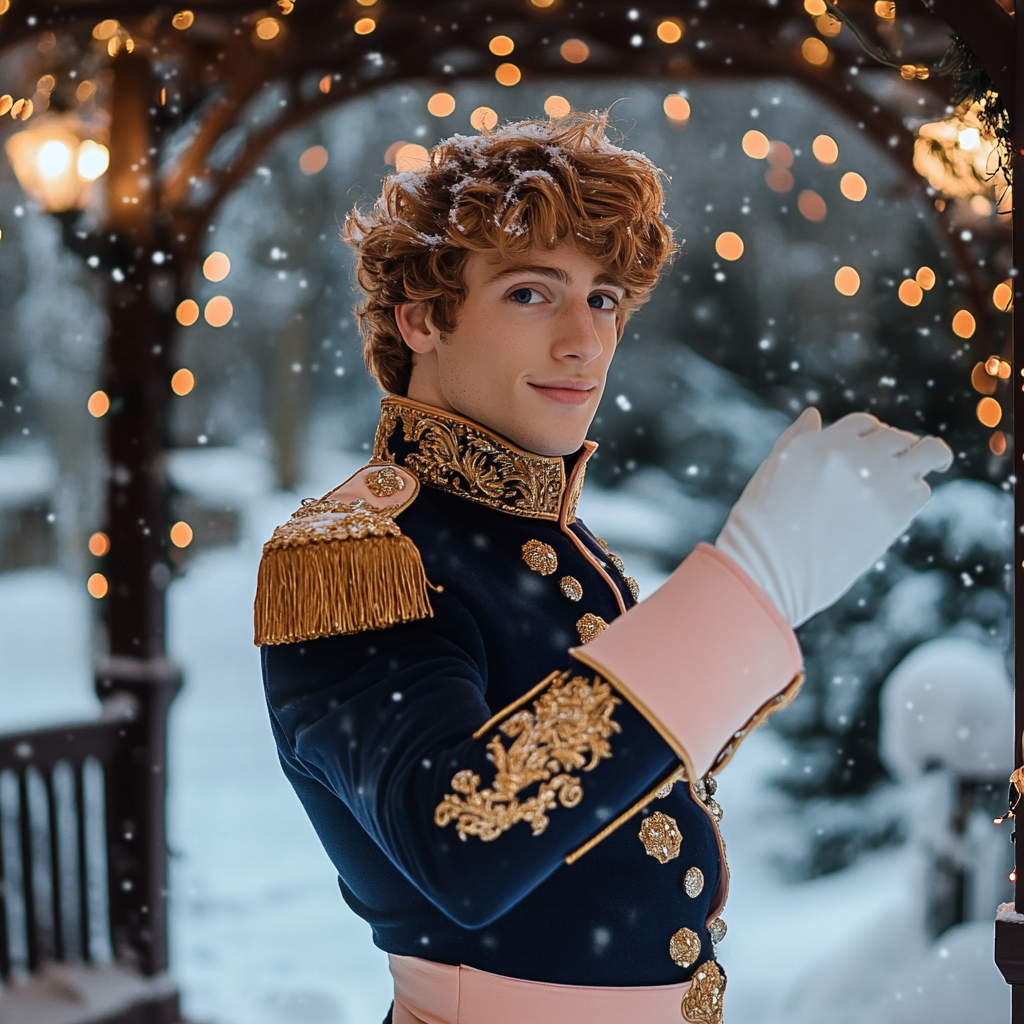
x: 533, y: 183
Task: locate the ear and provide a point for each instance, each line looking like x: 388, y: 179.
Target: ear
x: 414, y: 324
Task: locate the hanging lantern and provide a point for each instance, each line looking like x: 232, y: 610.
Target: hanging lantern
x: 55, y: 165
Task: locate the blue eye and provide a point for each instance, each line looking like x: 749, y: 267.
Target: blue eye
x: 523, y: 296
x: 601, y: 302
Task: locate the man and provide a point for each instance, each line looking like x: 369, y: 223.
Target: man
x: 508, y: 759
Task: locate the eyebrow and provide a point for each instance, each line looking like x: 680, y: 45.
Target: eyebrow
x: 553, y: 272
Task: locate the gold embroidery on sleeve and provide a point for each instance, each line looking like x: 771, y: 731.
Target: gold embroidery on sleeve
x: 568, y: 729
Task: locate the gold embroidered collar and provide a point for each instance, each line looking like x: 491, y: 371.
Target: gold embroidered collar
x: 454, y: 454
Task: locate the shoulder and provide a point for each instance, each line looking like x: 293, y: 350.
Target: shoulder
x: 341, y: 564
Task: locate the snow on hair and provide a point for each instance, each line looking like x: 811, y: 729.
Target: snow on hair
x: 527, y: 184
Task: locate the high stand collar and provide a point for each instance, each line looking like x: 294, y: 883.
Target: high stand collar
x: 456, y: 455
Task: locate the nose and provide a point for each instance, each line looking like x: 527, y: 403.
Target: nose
x: 577, y: 339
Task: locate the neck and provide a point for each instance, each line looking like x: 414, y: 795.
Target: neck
x: 424, y: 385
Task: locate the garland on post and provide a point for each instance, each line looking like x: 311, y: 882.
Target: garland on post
x: 971, y: 84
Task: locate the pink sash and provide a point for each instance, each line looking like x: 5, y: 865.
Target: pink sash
x: 429, y: 993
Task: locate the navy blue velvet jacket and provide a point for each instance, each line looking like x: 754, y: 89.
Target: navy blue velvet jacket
x: 486, y: 799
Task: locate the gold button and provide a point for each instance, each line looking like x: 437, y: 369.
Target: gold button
x: 693, y: 883
x: 571, y: 588
x: 632, y: 586
x: 703, y: 999
x: 540, y: 557
x: 717, y: 929
x: 684, y: 947
x: 384, y: 482
x: 661, y: 837
x: 590, y: 627
x: 620, y: 566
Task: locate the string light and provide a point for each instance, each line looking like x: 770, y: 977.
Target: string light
x: 483, y: 119
x: 99, y: 544
x: 501, y: 46
x: 853, y: 186
x: 670, y: 31
x: 847, y: 281
x: 1002, y: 296
x: 181, y: 534
x: 441, y: 104
x: 815, y: 52
x: 825, y: 149
x: 755, y: 144
x: 507, y: 74
x: 268, y: 28
x: 98, y: 404
x: 910, y: 293
x: 218, y: 311
x: 558, y: 106
x: 97, y: 585
x: 411, y: 157
x: 216, y: 266
x: 187, y: 312
x: 575, y: 51
x: 811, y: 205
x: 982, y: 381
x: 183, y: 382
x: 313, y: 160
x: 729, y: 245
x: 677, y: 109
x: 989, y: 412
x: 964, y: 324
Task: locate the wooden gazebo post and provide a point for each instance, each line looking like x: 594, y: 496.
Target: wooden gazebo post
x: 998, y: 42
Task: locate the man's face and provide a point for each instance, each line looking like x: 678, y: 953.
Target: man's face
x: 531, y: 351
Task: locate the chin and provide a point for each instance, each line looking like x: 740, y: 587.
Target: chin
x: 553, y: 442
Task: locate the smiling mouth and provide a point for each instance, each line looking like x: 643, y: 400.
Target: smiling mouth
x: 566, y: 392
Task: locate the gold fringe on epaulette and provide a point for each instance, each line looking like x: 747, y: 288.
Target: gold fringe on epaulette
x: 338, y: 586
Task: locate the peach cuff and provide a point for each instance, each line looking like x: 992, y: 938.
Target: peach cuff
x: 703, y: 658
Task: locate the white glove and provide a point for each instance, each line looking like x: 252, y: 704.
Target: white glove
x: 825, y: 505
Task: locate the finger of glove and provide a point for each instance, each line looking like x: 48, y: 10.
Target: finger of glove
x: 808, y: 422
x: 854, y: 424
x: 928, y: 455
x: 887, y: 441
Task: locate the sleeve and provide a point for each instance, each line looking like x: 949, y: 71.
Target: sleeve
x: 705, y: 659
x: 475, y: 810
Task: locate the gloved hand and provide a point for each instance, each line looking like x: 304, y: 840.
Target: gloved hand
x: 825, y: 505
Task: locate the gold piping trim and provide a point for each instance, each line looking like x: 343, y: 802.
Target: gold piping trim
x: 781, y: 700
x: 677, y: 775
x: 721, y: 893
x: 567, y: 516
x: 508, y: 709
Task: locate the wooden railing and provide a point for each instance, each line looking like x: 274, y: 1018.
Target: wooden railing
x: 83, y: 859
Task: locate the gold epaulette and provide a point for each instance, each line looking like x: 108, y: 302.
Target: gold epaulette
x: 341, y: 564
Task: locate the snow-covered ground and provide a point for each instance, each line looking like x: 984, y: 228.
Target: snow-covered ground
x: 260, y: 933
